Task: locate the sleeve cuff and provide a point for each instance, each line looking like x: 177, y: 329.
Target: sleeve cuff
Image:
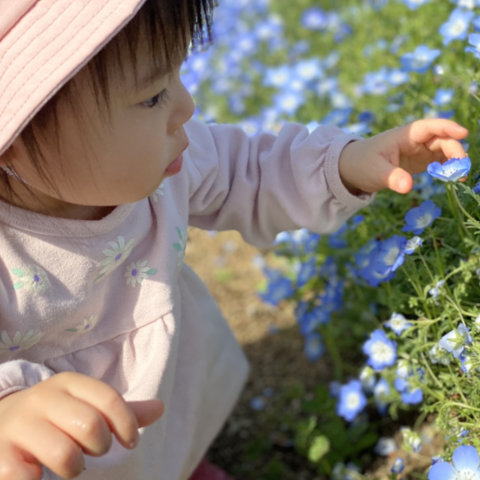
x: 18, y: 375
x: 340, y: 192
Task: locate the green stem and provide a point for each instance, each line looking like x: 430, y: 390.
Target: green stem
x: 333, y: 351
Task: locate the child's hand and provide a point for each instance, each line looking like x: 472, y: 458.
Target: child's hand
x: 389, y: 159
x: 58, y: 420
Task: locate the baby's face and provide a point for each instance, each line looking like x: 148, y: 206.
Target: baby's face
x: 104, y: 162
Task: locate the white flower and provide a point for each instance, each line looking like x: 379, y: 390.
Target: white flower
x: 87, y: 324
x: 19, y: 341
x: 136, y: 272
x: 115, y: 256
x: 33, y: 278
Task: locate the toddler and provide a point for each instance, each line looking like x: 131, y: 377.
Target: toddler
x: 115, y: 362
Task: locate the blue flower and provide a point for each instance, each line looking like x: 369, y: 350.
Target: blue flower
x: 474, y: 40
x: 351, y: 400
x: 315, y: 19
x: 456, y: 340
x: 398, y: 323
x: 381, y: 391
x: 279, y: 287
x: 421, y: 217
x: 390, y: 254
x: 414, y: 4
x: 456, y: 27
x: 412, y: 244
x: 435, y: 291
x: 381, y: 351
x: 314, y: 347
x: 420, y: 59
x: 451, y: 170
x: 443, y: 96
x: 398, y: 466
x: 465, y: 461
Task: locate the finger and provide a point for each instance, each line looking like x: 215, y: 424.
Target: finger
x: 52, y: 448
x: 393, y: 177
x: 147, y: 411
x: 421, y: 131
x: 18, y: 465
x: 449, y: 147
x: 83, y: 423
x: 118, y: 415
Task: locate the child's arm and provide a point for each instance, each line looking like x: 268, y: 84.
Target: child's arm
x: 389, y: 159
x: 58, y: 420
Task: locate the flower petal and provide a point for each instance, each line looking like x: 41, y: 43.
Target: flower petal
x: 466, y: 456
x: 441, y: 471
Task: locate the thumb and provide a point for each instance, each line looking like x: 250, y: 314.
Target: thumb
x: 395, y: 178
x: 147, y: 411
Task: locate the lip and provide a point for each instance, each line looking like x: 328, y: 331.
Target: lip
x: 175, y: 166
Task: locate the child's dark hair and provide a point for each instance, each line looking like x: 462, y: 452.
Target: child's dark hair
x: 165, y: 27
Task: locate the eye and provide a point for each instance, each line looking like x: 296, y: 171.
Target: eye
x: 157, y: 100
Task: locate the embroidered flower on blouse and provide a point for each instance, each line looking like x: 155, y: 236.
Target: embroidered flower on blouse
x: 115, y: 255
x: 87, y: 324
x: 159, y: 192
x: 19, y: 341
x: 32, y: 278
x: 181, y: 245
x: 136, y: 272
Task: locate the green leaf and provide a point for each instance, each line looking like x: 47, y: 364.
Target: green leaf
x: 319, y: 448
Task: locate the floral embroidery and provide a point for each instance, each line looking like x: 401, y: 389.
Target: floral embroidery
x: 136, y: 272
x: 181, y: 245
x: 115, y: 256
x: 33, y: 278
x: 159, y: 192
x: 18, y: 342
x: 87, y: 324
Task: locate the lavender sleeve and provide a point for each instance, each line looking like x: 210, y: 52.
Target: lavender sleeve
x: 267, y: 183
x: 17, y: 375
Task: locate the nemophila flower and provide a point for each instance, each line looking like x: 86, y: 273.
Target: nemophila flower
x: 414, y: 4
x: 411, y: 439
x: 469, y: 4
x: 398, y: 466
x: 421, y: 217
x: 474, y: 47
x: 435, y: 290
x: 385, y: 446
x: 367, y: 377
x: 310, y: 318
x: 466, y: 362
x: 257, y: 403
x: 464, y: 466
x: 420, y: 59
x: 381, y: 392
x: 306, y: 271
x: 443, y: 96
x: 351, y: 400
x: 298, y: 241
x: 288, y: 101
x: 315, y: 18
x: 406, y: 383
x: 439, y: 355
x: 456, y: 27
x: 313, y: 346
x: 390, y: 254
x: 279, y: 287
x: 412, y: 244
x: 398, y: 323
x: 450, y: 171
x: 456, y: 340
x: 381, y: 351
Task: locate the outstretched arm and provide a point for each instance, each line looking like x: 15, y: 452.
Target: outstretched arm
x: 389, y: 159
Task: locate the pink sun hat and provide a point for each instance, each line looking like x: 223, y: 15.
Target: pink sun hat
x: 43, y: 43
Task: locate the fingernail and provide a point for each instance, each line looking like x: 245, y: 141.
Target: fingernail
x: 133, y: 443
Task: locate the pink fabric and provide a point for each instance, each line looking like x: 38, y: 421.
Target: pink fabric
x: 44, y: 43
x: 208, y: 471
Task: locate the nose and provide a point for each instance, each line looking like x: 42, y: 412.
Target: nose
x: 183, y: 111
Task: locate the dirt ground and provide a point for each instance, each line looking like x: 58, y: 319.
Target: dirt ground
x: 274, y: 347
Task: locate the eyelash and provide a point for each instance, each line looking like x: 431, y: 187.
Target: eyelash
x: 158, y: 100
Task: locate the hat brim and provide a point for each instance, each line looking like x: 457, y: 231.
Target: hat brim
x: 46, y: 47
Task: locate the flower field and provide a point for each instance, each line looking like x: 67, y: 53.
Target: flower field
x: 393, y: 297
